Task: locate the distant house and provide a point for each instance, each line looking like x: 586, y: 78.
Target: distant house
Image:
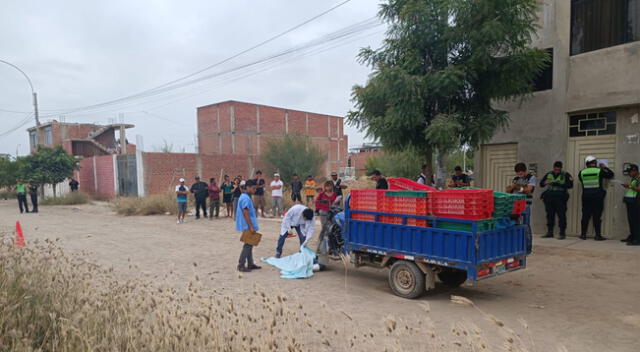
x: 82, y: 139
x: 358, y: 157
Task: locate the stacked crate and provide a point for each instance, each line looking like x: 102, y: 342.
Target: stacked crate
x: 406, y: 203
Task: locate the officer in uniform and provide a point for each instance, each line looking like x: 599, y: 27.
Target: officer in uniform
x: 632, y: 201
x: 555, y: 198
x: 593, y: 194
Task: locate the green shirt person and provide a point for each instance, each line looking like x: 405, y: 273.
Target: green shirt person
x: 593, y: 194
x: 21, y: 190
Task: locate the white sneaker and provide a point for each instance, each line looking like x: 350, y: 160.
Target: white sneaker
x: 178, y: 222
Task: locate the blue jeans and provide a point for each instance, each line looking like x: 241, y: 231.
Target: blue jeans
x: 284, y: 236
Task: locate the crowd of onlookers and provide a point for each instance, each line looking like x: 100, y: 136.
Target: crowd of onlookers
x: 209, y: 198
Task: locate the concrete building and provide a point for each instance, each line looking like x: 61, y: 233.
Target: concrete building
x: 240, y: 128
x: 586, y: 103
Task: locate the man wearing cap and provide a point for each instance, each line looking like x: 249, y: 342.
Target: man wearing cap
x: 201, y: 192
x: 182, y: 192
x: 555, y: 198
x: 458, y: 179
x: 258, y: 197
x: 246, y: 219
x: 276, y: 195
x: 337, y: 184
x: 632, y: 201
x: 593, y: 194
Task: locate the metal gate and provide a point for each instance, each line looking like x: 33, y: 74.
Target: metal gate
x: 127, y: 175
x: 497, y: 165
x: 604, y: 148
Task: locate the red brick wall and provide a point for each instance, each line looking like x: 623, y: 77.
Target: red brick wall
x: 162, y: 170
x: 359, y: 160
x: 105, y: 176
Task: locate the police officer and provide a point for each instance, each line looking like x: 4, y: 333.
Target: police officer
x: 593, y: 194
x: 555, y: 198
x: 632, y: 201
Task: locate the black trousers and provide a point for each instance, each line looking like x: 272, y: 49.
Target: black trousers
x: 633, y: 215
x: 22, y: 203
x: 592, y: 207
x: 34, y: 203
x: 556, y: 205
x: 246, y: 256
x: 201, y: 203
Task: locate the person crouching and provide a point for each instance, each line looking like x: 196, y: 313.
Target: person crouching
x: 300, y: 218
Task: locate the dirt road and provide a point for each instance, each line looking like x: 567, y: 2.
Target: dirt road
x: 581, y: 295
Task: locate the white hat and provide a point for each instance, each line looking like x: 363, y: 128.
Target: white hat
x: 242, y: 183
x: 589, y: 159
x: 276, y: 175
x: 181, y: 179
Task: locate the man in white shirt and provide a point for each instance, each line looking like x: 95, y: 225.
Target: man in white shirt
x: 422, y: 179
x: 276, y: 195
x: 182, y: 192
x: 300, y: 218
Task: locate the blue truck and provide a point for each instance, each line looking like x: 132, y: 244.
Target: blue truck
x: 417, y: 255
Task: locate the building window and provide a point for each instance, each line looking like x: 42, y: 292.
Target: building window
x: 544, y: 80
x: 597, y: 24
x: 32, y: 139
x: 48, y: 137
x: 594, y: 124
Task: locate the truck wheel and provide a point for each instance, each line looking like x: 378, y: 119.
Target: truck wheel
x: 406, y: 279
x: 452, y: 277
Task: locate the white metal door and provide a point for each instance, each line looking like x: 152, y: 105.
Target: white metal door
x: 498, y: 161
x: 602, y: 147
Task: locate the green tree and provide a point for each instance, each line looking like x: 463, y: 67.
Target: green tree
x: 10, y: 172
x: 293, y: 154
x: 48, y: 166
x: 442, y: 65
x: 395, y: 164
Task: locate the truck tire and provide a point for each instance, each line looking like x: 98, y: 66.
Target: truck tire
x: 452, y: 277
x: 406, y: 279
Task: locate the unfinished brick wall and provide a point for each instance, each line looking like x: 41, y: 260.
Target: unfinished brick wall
x: 239, y: 128
x: 97, y: 175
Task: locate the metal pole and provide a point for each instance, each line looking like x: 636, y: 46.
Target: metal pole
x: 35, y: 99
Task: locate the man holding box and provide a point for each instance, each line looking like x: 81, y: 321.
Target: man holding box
x: 246, y: 219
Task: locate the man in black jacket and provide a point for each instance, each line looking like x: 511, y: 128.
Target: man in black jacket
x: 555, y: 198
x: 201, y: 191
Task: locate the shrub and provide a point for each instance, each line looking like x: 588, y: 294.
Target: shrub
x: 72, y: 198
x: 154, y: 204
x: 7, y: 194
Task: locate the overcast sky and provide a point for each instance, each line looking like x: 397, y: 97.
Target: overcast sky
x: 80, y: 53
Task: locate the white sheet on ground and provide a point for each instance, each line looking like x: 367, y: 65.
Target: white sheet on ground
x: 295, y: 266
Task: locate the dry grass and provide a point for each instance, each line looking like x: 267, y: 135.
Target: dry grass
x: 73, y: 198
x: 51, y: 301
x: 155, y: 204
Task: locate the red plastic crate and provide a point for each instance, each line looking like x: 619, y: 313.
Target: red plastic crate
x: 401, y: 183
x: 397, y: 220
x: 519, y: 206
x: 470, y: 204
x: 367, y: 199
x: 406, y: 205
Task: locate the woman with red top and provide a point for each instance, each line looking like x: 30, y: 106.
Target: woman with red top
x: 324, y: 200
x: 214, y: 198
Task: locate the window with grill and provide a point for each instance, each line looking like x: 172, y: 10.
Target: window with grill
x: 598, y: 24
x: 32, y: 139
x: 544, y: 80
x: 593, y: 124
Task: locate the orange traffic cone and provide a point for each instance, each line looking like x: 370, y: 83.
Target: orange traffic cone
x: 19, y: 236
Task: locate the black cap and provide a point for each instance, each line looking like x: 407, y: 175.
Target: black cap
x: 197, y: 177
x: 258, y: 172
x: 376, y: 173
x: 250, y: 183
x: 457, y: 168
x: 631, y: 167
x: 557, y: 164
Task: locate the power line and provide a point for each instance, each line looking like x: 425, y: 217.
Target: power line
x: 142, y: 93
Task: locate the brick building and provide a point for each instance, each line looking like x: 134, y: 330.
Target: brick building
x: 243, y: 129
x: 358, y: 157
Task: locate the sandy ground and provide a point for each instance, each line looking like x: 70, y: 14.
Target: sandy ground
x: 582, y: 295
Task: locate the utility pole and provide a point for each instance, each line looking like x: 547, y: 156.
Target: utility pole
x: 35, y: 100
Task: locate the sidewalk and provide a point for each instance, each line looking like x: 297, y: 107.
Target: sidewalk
x: 609, y: 246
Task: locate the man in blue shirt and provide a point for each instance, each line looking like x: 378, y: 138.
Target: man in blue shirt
x: 246, y: 220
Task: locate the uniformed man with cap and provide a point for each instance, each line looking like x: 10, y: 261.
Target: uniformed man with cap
x: 593, y: 194
x: 555, y: 198
x: 632, y: 201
